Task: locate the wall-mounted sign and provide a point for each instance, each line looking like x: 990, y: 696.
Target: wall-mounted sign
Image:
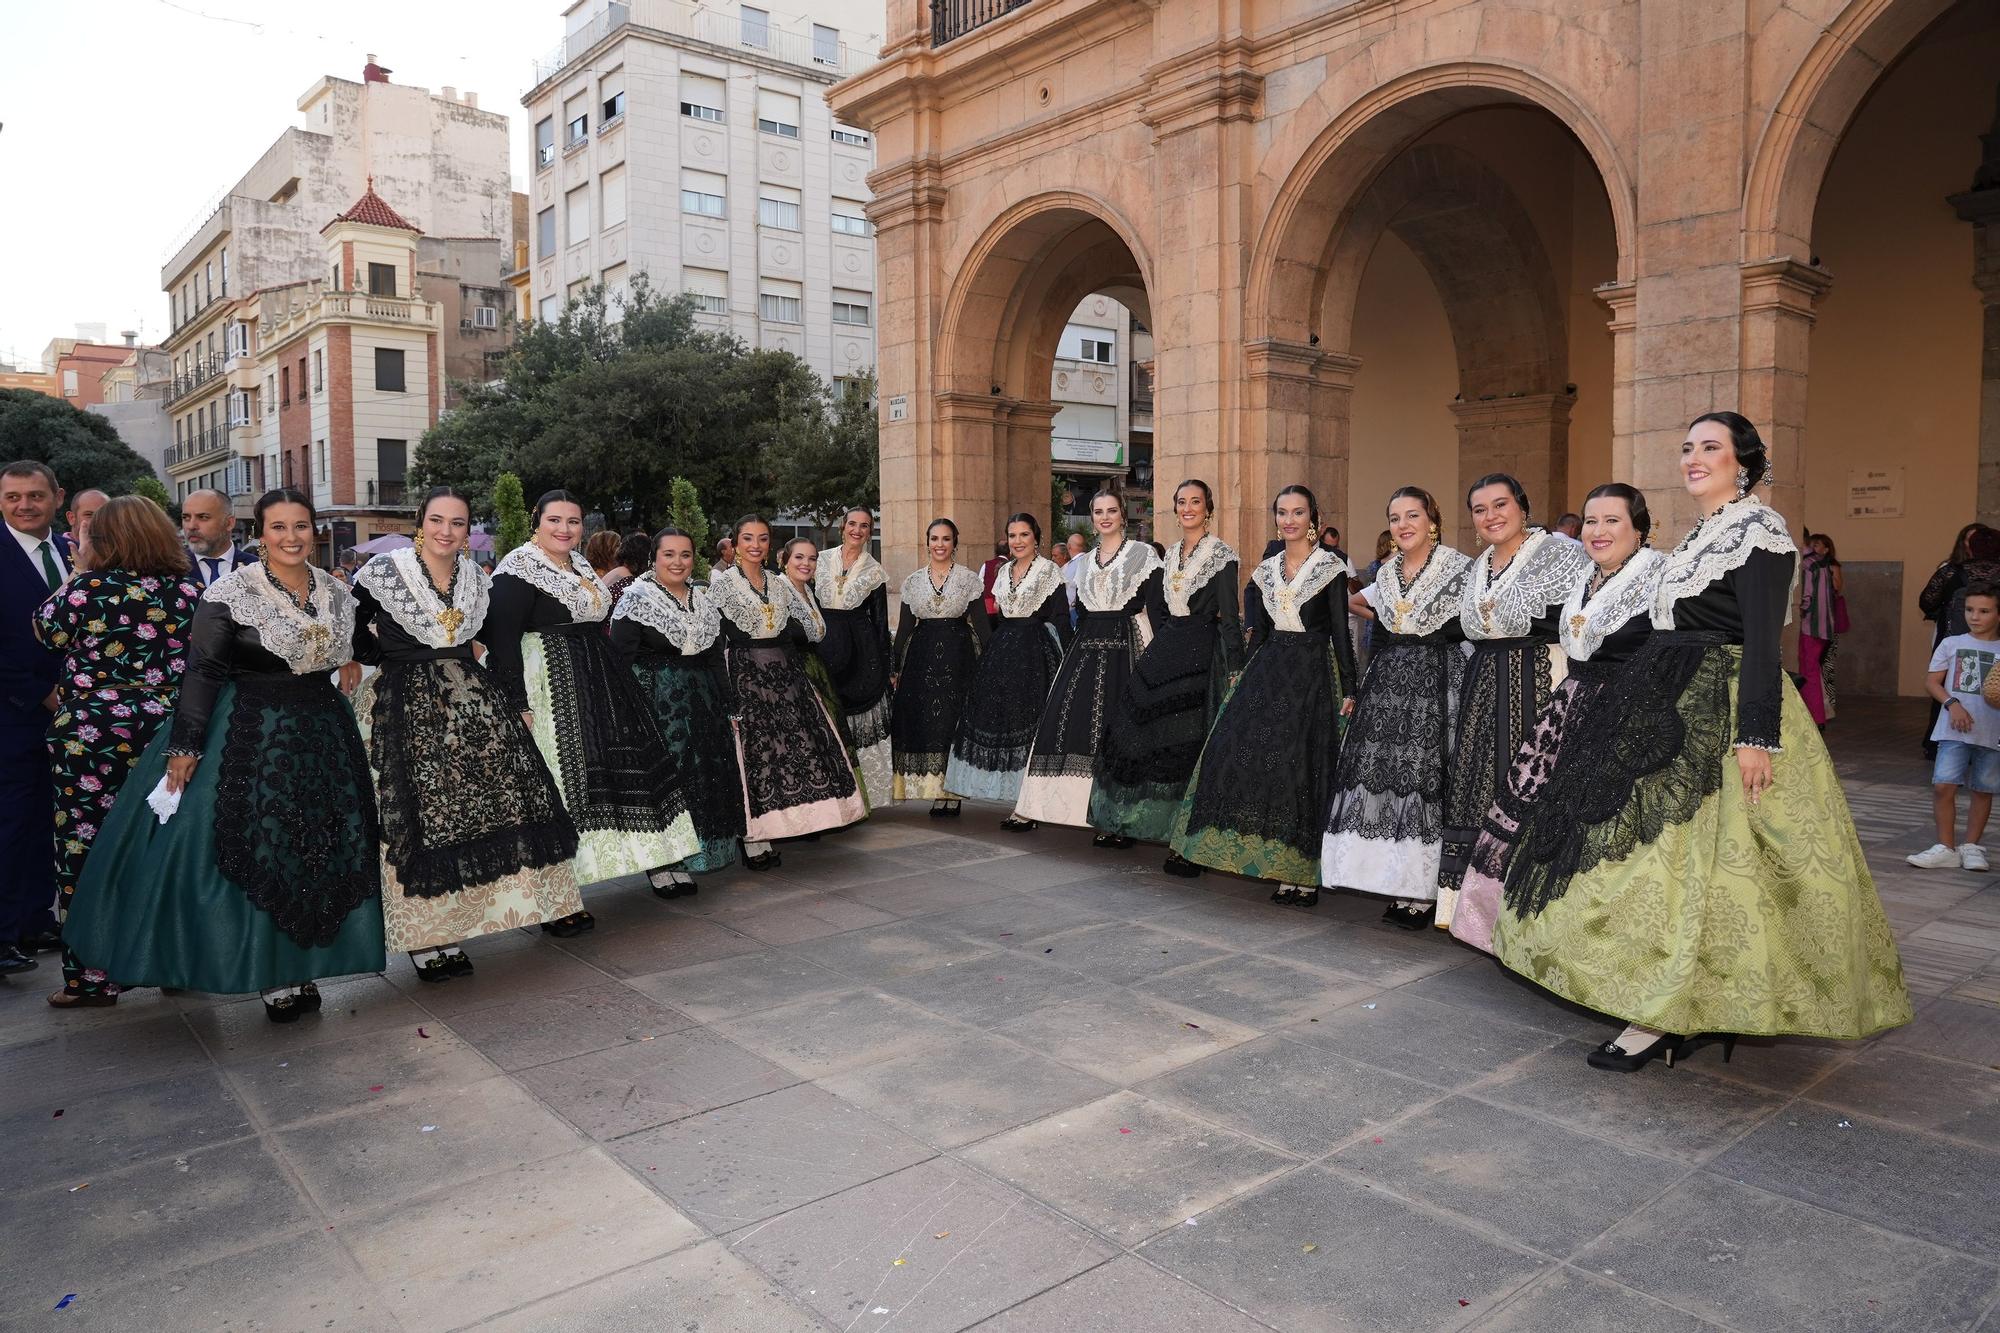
x: 899, y: 407
x: 1875, y: 492
x: 1103, y: 453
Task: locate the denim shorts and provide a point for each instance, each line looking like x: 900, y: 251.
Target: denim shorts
x: 1956, y: 759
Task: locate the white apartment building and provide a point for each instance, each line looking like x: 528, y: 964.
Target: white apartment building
x: 1102, y: 386
x: 694, y: 145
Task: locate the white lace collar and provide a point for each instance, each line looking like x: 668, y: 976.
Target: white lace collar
x: 805, y: 610
x: 1020, y: 602
x: 578, y: 588
x: 1285, y: 601
x: 927, y: 601
x: 1540, y: 575
x: 690, y: 628
x: 401, y: 584
x: 319, y: 639
x: 1110, y: 587
x: 1715, y: 546
x: 845, y: 589
x: 1428, y: 604
x: 1180, y: 581
x: 1625, y: 596
x: 762, y: 617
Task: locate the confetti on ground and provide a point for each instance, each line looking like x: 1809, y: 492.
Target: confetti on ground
x: 284, y: 1064
x: 1845, y: 1124
x: 645, y: 1039
x: 64, y: 1303
x: 1307, y: 1249
x: 1195, y: 1026
x: 899, y: 1263
x: 1123, y: 1130
x: 425, y: 1035
x: 428, y: 1129
x: 1376, y: 1140
x: 57, y: 1115
x: 84, y: 1186
x: 1008, y: 934
x: 1463, y: 1303
x: 375, y: 1088
x: 941, y: 1235
x: 1365, y: 1006
x: 880, y: 1309
x: 1048, y: 951
x: 1190, y: 1223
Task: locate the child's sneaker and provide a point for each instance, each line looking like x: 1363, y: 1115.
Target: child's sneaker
x: 1939, y: 857
x: 1972, y: 856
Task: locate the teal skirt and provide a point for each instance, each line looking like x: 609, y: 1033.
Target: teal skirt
x: 153, y: 906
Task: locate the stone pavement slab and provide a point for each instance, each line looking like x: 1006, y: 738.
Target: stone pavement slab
x: 1422, y: 1039
x: 965, y: 1089
x: 623, y: 1089
x: 1679, y: 1112
x: 1567, y: 1301
x: 702, y: 1289
x: 1124, y: 1295
x: 843, y: 1031
x: 1124, y: 1038
x: 169, y: 1117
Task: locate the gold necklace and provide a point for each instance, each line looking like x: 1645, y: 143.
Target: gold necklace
x: 450, y: 617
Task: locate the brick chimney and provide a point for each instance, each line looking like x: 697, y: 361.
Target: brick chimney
x: 374, y: 73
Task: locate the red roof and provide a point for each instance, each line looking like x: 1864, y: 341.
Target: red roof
x: 371, y: 209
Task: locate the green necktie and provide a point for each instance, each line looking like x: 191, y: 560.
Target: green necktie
x: 50, y: 570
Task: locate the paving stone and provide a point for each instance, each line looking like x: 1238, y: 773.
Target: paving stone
x: 505, y: 978
x: 644, y: 1083
x: 1017, y: 922
x: 881, y: 953
x: 1900, y: 1179
x: 1260, y: 993
x: 26, y: 1017
x: 1128, y: 1166
x: 729, y: 987
x: 1239, y: 925
x: 543, y: 1028
x: 1955, y: 1029
x: 1678, y: 1113
x: 929, y: 1249
x: 737, y: 1165
x: 1422, y: 1039
x: 996, y: 990
x: 1567, y: 1301
x: 1124, y: 1038
x: 1915, y: 1090
x: 703, y: 1289
x: 285, y: 1087
x: 809, y: 918
x: 1378, y: 1264
x: 239, y: 1029
x: 169, y: 1117
x: 1385, y: 955
x: 1128, y: 893
x: 53, y: 1071
x: 1030, y: 873
x: 658, y: 946
x: 1125, y: 952
x: 838, y: 1032
x: 359, y: 1161
x: 1491, y: 991
x: 1758, y: 1262
x: 1531, y: 1181
x: 1779, y: 1064
x: 925, y: 892
x: 491, y: 1244
x: 1122, y: 1296
x: 957, y: 1091
x: 1302, y: 1097
x: 884, y: 833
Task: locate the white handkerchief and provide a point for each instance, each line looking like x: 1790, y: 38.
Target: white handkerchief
x: 164, y: 802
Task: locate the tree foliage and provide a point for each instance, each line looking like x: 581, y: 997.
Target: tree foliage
x: 83, y: 447
x: 156, y: 490
x: 824, y: 453
x: 510, y: 512
x: 684, y: 511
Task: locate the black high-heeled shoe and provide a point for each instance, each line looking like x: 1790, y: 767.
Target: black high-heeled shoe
x: 1177, y: 864
x: 433, y: 969
x: 1692, y: 1044
x: 762, y: 861
x: 1411, y: 915
x: 1016, y: 824
x: 1610, y: 1057
x: 457, y: 963
x: 1299, y: 898
x: 1113, y: 842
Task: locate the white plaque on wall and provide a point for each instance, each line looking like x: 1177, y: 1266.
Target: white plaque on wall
x: 899, y: 407
x: 1875, y: 492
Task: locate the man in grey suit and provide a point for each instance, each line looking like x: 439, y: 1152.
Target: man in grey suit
x: 209, y: 525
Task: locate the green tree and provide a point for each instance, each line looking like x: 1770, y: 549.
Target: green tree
x: 824, y: 453
x: 156, y: 490
x: 510, y: 510
x: 83, y: 447
x: 684, y: 512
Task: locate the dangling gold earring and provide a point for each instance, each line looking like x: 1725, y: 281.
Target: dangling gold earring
x: 420, y: 541
x: 1434, y: 534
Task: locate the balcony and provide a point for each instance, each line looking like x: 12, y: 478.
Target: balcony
x: 952, y: 19
x: 199, y: 372
x: 198, y: 446
x: 722, y: 28
x: 1142, y: 387
x: 388, y: 494
x: 353, y: 306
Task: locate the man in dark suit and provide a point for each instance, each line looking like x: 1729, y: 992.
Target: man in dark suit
x: 209, y: 525
x: 34, y: 561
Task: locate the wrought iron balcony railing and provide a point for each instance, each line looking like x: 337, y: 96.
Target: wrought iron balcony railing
x: 952, y: 19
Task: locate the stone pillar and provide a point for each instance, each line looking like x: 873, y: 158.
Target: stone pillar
x: 1295, y: 429
x: 1526, y: 436
x: 1981, y: 207
x: 1778, y: 300
x: 1021, y: 477
x: 906, y: 210
x: 1621, y: 299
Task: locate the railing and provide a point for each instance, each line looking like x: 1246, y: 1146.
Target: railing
x: 724, y: 28
x: 387, y: 492
x: 1142, y: 387
x: 352, y: 305
x: 200, y: 372
x: 198, y: 445
x: 952, y: 19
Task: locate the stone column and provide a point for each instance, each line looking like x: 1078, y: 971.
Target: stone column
x: 1621, y: 299
x: 906, y: 209
x: 1527, y: 436
x: 1981, y: 207
x: 1778, y: 300
x: 1296, y: 426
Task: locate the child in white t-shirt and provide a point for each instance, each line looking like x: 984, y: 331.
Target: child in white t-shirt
x: 1967, y: 734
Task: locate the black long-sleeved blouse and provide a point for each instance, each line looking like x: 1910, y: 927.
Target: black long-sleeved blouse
x: 221, y: 650
x: 1748, y: 606
x: 517, y: 607
x: 1325, y: 612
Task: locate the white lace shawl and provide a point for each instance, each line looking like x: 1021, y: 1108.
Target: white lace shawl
x: 805, y: 610
x: 1538, y: 577
x: 760, y: 617
x: 1018, y: 603
x: 846, y: 589
x: 1431, y: 602
x: 1110, y: 587
x: 321, y: 641
x: 1625, y: 596
x: 578, y: 588
x: 1717, y: 545
x: 402, y: 586
x: 690, y: 629
x: 1180, y: 582
x: 1282, y: 600
x: 926, y: 601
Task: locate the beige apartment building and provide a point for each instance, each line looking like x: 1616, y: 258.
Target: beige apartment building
x: 693, y: 144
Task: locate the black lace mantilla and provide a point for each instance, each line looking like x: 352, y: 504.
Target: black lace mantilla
x: 791, y: 754
x: 295, y: 822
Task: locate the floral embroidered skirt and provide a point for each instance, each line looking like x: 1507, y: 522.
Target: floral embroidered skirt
x: 796, y: 775
x: 997, y: 728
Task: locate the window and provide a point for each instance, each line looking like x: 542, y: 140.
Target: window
x: 319, y: 459
x: 333, y: 285
x: 270, y: 394
x: 545, y: 233
x: 389, y: 369
x: 703, y: 97
x: 236, y: 339
x: 617, y: 289
x: 611, y: 94
x: 224, y: 258
x: 486, y: 317
x: 709, y: 288
x: 302, y: 378
x: 701, y: 192
x: 69, y: 384
x: 545, y: 141
x: 849, y: 220
x: 381, y: 279
x: 777, y: 113
x: 174, y: 310
x: 392, y: 467
x: 285, y: 385
x: 239, y: 407
x: 1095, y: 349
x: 576, y: 115
x: 850, y: 307
x: 756, y: 28
x: 826, y: 45
x: 577, y: 289
x: 576, y: 215
x: 207, y: 283
x: 611, y: 197
x: 549, y: 310
x: 778, y: 207
x: 780, y: 302
x: 319, y: 371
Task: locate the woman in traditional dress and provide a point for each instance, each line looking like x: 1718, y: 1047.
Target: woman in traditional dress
x: 853, y: 594
x: 1691, y: 866
x: 1605, y: 622
x: 938, y: 640
x: 667, y: 628
x: 796, y: 775
x: 1110, y: 631
x: 1256, y: 805
x: 997, y: 727
x: 1822, y: 586
x: 1508, y: 608
x: 1177, y: 684
x: 265, y: 876
x: 475, y: 839
x: 1385, y: 830
x: 122, y: 624
x: 546, y: 646
x: 799, y: 563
